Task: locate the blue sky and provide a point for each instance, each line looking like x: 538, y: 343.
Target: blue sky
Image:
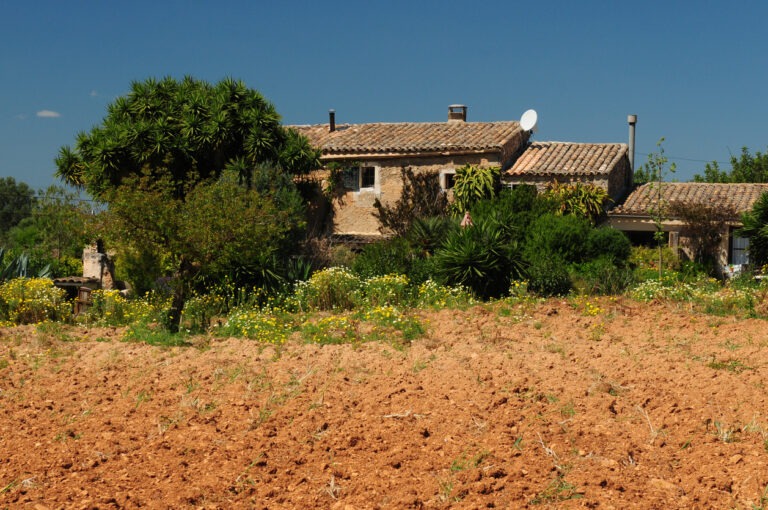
x: 694, y: 72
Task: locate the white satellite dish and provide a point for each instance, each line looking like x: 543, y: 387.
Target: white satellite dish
x: 529, y: 121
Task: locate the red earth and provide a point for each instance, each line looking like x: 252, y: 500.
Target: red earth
x: 612, y: 405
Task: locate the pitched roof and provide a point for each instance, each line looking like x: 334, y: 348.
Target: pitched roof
x: 740, y: 197
x: 563, y: 159
x: 411, y: 138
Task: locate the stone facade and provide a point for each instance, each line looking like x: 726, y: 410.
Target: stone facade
x: 353, y: 211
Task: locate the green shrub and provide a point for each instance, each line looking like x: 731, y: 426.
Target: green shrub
x: 390, y: 289
x: 602, y: 276
x: 328, y: 289
x: 548, y: 277
x: 480, y: 258
x: 33, y: 300
x: 647, y: 258
x: 335, y: 329
x: 422, y: 269
x: 260, y: 325
x: 110, y: 308
x: 607, y: 242
x: 433, y: 295
x: 392, y: 256
x: 562, y: 237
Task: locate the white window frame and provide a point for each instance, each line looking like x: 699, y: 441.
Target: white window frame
x: 742, y: 250
x: 444, y: 178
x: 357, y: 178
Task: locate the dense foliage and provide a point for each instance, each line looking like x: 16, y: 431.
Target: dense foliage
x: 183, y: 131
x: 197, y: 179
x: 744, y: 168
x: 755, y: 227
x: 473, y: 184
x: 54, y: 233
x: 16, y: 202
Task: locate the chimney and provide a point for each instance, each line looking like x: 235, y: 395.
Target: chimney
x: 331, y: 121
x: 457, y: 113
x: 632, y: 120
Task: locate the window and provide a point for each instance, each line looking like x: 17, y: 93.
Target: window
x: 447, y: 179
x: 739, y: 247
x: 359, y: 177
x: 367, y: 177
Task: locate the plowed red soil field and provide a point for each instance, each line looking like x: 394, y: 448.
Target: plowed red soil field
x: 636, y: 406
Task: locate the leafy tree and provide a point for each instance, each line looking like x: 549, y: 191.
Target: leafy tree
x: 705, y: 227
x: 177, y: 164
x: 220, y: 229
x: 16, y: 202
x: 473, y: 184
x: 744, y: 168
x: 756, y: 229
x: 421, y: 197
x: 55, y: 232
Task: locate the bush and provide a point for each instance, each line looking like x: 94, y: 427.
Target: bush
x: 607, y: 242
x: 33, y: 300
x: 393, y: 290
x: 433, y: 295
x: 603, y: 276
x: 480, y: 258
x: 262, y: 326
x: 562, y: 237
x: 392, y: 256
x: 110, y: 308
x: 329, y: 289
x: 549, y: 277
x: 422, y: 269
x: 647, y: 258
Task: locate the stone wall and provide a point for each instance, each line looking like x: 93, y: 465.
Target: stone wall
x: 353, y: 211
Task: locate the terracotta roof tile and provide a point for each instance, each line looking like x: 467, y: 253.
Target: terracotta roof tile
x: 561, y: 159
x: 411, y: 137
x: 740, y: 197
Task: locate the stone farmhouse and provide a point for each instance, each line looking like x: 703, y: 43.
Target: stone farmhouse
x: 373, y: 154
x: 635, y: 215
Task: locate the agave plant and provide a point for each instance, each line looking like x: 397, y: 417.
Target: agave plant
x: 18, y: 267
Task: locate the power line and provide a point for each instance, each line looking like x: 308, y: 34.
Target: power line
x: 678, y: 158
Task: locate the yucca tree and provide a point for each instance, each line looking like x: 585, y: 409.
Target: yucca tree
x: 187, y: 129
x: 427, y: 234
x: 481, y: 258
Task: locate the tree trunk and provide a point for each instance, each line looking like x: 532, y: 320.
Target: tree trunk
x: 181, y: 283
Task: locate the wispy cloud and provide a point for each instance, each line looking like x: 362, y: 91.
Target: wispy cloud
x: 21, y: 116
x: 48, y: 114
x: 94, y: 93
